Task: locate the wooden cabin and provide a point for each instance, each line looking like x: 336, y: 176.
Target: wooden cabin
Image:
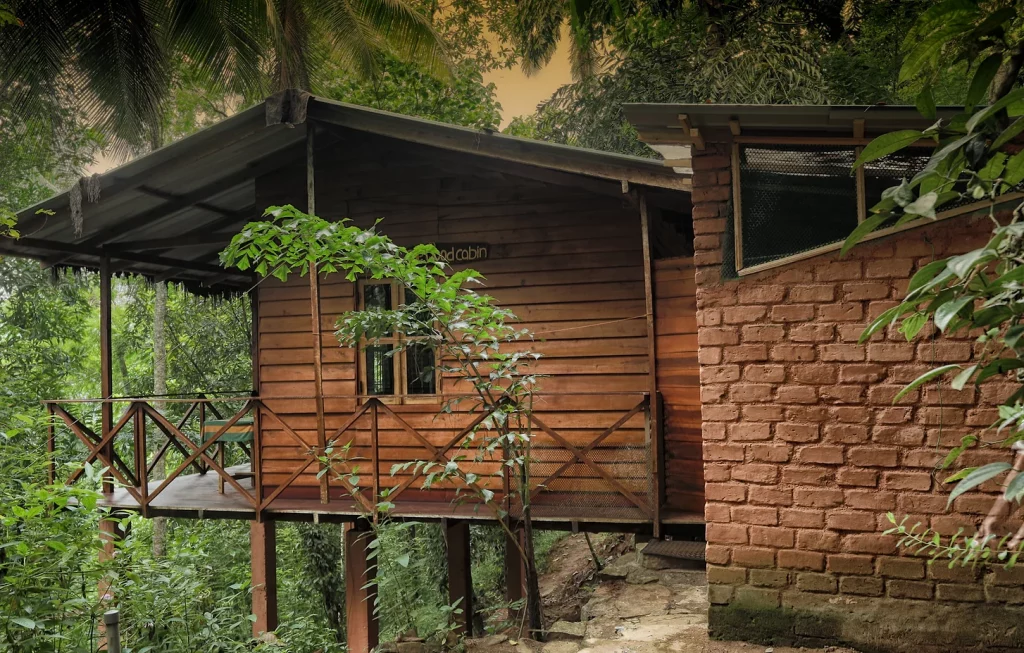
x: 592, y: 251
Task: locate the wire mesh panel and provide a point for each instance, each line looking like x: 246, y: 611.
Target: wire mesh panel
x: 795, y: 198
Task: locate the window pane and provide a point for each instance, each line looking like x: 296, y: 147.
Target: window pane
x: 795, y: 198
x: 420, y: 366
x: 380, y: 370
x: 421, y: 317
x: 377, y: 297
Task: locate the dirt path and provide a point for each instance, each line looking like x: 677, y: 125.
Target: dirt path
x: 625, y: 608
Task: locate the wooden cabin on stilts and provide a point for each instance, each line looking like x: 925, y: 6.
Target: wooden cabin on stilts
x: 592, y: 251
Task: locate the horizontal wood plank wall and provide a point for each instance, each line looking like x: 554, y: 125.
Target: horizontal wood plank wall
x: 567, y: 261
x: 675, y: 310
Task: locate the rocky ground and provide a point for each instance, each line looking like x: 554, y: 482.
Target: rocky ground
x: 626, y: 608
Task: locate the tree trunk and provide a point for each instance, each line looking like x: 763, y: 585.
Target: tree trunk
x: 292, y: 69
x: 1006, y: 77
x: 321, y: 544
x: 159, y: 388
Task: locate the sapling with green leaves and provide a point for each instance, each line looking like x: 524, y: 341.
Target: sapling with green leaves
x: 472, y: 336
x: 978, y: 157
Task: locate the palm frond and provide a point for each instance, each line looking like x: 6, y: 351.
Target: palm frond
x: 224, y: 40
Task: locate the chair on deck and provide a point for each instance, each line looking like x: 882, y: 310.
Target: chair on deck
x: 241, y: 433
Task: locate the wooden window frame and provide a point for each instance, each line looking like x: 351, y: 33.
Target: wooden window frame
x: 857, y: 145
x: 398, y: 361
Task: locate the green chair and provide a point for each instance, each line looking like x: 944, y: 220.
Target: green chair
x: 240, y: 433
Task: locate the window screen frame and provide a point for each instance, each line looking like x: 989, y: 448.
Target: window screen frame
x: 398, y: 360
x: 857, y: 146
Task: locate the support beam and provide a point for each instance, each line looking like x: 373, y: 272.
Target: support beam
x: 106, y: 363
x: 314, y: 313
x: 460, y: 574
x: 360, y: 594
x: 263, y: 542
x: 515, y: 568
x: 654, y: 407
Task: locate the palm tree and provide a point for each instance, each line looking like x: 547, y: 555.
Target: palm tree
x: 114, y: 60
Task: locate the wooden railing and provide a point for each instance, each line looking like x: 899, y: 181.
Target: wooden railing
x: 129, y: 455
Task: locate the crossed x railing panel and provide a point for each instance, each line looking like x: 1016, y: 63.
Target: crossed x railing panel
x: 140, y: 413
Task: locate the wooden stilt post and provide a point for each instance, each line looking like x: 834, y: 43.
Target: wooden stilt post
x: 460, y: 575
x: 361, y: 622
x: 515, y: 569
x: 106, y: 364
x: 263, y: 541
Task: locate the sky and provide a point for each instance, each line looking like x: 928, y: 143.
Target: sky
x: 517, y: 93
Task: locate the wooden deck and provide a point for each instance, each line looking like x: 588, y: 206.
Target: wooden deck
x: 196, y: 496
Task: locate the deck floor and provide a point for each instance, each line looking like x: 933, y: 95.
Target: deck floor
x: 197, y: 496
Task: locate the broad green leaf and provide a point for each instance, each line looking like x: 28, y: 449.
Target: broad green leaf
x: 1010, y: 133
x: 913, y: 324
x: 946, y: 312
x: 923, y: 206
x: 926, y: 102
x: 24, y: 622
x: 924, y: 378
x: 983, y: 79
x: 997, y: 367
x: 887, y: 144
x: 862, y: 230
x: 993, y: 109
x: 962, y: 265
x: 961, y: 379
x: 403, y: 560
x: 1015, y: 488
x: 885, y: 319
x: 925, y: 274
x: 1014, y: 173
x: 976, y: 478
x: 993, y: 167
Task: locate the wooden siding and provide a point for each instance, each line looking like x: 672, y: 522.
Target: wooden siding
x: 678, y: 376
x: 567, y: 261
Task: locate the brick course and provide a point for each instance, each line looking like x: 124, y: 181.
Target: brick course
x: 813, y: 451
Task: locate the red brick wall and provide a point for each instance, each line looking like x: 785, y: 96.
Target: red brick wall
x: 804, y: 451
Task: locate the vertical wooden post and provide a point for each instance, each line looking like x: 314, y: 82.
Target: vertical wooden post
x: 515, y: 568
x: 460, y: 575
x: 263, y: 542
x: 657, y: 462
x: 314, y: 303
x: 51, y: 446
x: 106, y: 364
x: 375, y: 454
x: 139, y: 428
x: 361, y: 622
x: 257, y: 440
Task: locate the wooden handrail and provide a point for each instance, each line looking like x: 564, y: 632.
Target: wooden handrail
x: 366, y: 493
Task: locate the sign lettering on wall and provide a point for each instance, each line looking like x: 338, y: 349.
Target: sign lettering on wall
x: 455, y: 253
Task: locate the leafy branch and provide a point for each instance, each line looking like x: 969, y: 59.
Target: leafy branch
x: 959, y: 549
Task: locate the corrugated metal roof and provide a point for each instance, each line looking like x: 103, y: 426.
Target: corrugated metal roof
x: 166, y: 215
x: 796, y: 120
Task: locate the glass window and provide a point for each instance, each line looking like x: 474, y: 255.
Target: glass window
x: 421, y: 369
x: 380, y: 370
x: 400, y: 365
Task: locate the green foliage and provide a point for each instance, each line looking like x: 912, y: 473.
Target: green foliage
x: 982, y: 291
x: 117, y: 61
x: 464, y: 99
x: 959, y: 550
x: 740, y: 52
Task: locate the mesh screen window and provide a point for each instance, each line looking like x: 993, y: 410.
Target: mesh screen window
x: 794, y: 199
